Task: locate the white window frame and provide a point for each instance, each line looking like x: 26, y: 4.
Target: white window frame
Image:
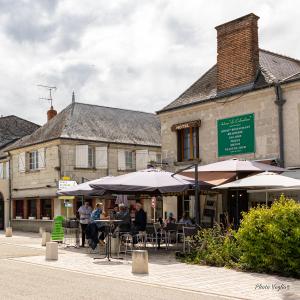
x: 33, y: 160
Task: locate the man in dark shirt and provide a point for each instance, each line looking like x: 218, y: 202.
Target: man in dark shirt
x: 140, y: 218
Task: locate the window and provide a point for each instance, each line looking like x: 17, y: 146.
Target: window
x: 19, y: 208
x: 91, y: 157
x: 188, y: 143
x: 31, y: 206
x: 129, y: 160
x: 33, y: 160
x: 46, y: 208
x: 4, y: 170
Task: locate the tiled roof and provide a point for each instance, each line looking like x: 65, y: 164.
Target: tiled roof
x: 13, y: 128
x: 272, y: 68
x: 98, y: 123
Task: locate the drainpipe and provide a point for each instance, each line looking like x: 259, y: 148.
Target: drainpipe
x: 9, y: 188
x: 280, y: 102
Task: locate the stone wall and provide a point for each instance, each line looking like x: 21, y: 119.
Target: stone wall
x: 260, y: 103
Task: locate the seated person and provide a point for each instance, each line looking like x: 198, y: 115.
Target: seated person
x: 185, y: 220
x: 140, y: 221
x: 170, y: 219
x: 113, y: 213
x: 124, y: 216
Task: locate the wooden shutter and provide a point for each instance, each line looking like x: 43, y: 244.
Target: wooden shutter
x: 121, y: 160
x: 2, y: 171
x: 142, y: 159
x: 101, y: 157
x: 22, y: 162
x: 7, y: 170
x: 82, y: 155
x: 41, y: 158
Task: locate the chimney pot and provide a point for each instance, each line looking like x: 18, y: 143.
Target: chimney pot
x: 51, y: 113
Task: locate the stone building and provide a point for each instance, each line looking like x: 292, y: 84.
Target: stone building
x: 245, y: 106
x: 12, y: 128
x: 82, y: 142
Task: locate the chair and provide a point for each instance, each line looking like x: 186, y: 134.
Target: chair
x: 170, y: 229
x: 179, y: 232
x: 160, y: 235
x: 188, y: 234
x: 127, y: 240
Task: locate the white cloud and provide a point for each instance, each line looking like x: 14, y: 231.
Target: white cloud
x: 131, y: 54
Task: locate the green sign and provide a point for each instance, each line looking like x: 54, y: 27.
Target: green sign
x: 236, y: 135
x: 57, y: 230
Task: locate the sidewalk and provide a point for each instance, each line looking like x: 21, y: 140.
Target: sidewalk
x: 164, y: 270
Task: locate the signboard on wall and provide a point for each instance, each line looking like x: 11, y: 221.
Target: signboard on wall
x: 63, y: 184
x: 236, y: 135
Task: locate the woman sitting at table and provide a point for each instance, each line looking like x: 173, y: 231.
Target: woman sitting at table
x: 124, y: 217
x: 185, y: 220
x: 170, y: 219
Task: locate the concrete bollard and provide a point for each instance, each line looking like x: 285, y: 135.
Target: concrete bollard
x: 115, y: 243
x: 8, y: 232
x: 51, y: 251
x: 41, y: 231
x: 46, y: 237
x: 140, y: 262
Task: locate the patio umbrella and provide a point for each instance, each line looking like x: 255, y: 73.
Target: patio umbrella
x: 83, y: 189
x: 236, y: 165
x: 149, y: 181
x: 264, y: 180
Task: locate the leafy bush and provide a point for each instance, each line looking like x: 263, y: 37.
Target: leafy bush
x: 213, y: 246
x: 269, y: 238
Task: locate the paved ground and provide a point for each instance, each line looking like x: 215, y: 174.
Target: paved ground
x: 167, y: 277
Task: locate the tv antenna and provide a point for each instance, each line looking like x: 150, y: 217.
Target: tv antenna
x: 50, y: 88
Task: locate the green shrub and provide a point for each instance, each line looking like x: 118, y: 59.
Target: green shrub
x: 269, y: 238
x: 213, y: 246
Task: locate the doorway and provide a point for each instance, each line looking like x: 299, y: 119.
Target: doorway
x: 1, y: 212
x: 237, y: 203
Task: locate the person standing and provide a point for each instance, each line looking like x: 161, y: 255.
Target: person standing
x: 84, y: 219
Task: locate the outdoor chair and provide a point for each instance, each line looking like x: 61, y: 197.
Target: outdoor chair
x: 126, y: 239
x: 179, y: 233
x: 171, y: 229
x: 160, y: 235
x: 188, y: 234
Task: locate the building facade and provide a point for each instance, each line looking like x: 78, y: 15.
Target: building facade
x: 246, y: 106
x: 12, y: 128
x: 81, y: 143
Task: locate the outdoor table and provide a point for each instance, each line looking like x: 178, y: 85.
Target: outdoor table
x: 109, y: 225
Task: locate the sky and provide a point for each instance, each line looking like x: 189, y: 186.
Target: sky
x: 132, y: 54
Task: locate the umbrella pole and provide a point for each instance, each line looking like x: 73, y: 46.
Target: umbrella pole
x: 197, y: 199
x: 266, y: 198
x: 237, y: 208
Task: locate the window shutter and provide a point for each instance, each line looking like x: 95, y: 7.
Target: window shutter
x: 41, y: 158
x: 142, y: 159
x: 1, y: 171
x: 22, y: 162
x: 121, y: 160
x: 82, y: 155
x: 101, y: 157
x: 7, y: 170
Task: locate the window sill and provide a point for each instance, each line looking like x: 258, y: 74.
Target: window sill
x: 187, y: 162
x: 87, y: 169
x: 127, y: 170
x: 32, y: 171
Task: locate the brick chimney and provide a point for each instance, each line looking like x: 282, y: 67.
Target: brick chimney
x: 51, y: 113
x: 238, y: 54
